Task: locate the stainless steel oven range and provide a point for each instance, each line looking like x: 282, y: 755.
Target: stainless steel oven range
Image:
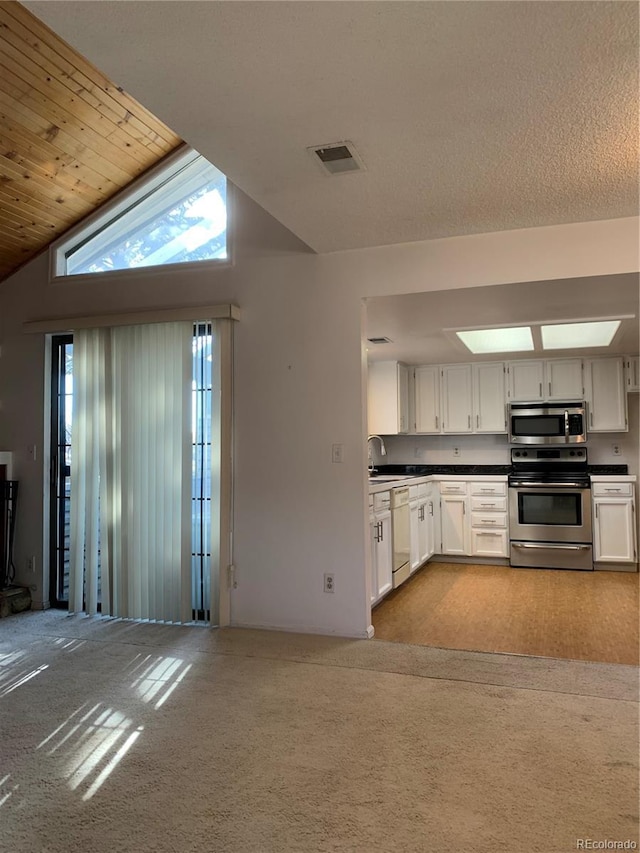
x: 550, y: 508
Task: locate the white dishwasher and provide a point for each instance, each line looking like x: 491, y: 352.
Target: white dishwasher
x: 400, y: 520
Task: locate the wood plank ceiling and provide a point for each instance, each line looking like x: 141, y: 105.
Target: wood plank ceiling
x: 69, y: 137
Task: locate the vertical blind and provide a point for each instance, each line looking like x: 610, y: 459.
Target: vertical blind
x: 131, y: 472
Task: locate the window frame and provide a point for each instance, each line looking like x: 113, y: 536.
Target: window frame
x: 124, y: 200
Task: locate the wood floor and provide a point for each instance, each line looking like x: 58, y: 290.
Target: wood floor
x: 561, y: 614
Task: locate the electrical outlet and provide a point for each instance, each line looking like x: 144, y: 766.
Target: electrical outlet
x: 31, y: 564
x: 615, y: 448
x: 456, y: 451
x: 337, y: 453
x: 329, y: 582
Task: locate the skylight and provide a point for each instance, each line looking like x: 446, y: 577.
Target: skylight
x: 576, y: 335
x: 514, y: 339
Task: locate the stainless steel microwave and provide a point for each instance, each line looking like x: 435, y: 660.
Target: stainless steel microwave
x: 547, y: 423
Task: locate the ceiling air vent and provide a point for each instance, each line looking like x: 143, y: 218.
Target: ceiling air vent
x: 337, y: 157
x: 380, y: 340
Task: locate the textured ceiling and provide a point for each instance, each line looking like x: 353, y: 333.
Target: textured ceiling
x: 69, y: 138
x: 470, y: 116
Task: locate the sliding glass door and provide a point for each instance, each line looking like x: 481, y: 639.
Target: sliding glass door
x: 205, y: 486
x: 60, y: 471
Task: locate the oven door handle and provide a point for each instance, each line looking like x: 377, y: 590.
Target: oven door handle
x: 534, y: 484
x: 549, y: 546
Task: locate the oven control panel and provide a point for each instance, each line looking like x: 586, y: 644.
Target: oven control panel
x: 544, y: 454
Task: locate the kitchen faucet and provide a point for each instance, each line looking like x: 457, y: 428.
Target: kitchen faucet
x: 383, y: 450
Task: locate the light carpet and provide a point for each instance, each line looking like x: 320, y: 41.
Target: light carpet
x: 117, y: 736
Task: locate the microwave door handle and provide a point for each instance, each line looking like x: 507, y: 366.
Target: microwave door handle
x: 566, y: 425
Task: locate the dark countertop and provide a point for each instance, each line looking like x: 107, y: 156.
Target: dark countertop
x: 424, y: 470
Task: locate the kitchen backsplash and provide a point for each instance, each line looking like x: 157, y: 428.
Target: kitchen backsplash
x: 494, y: 449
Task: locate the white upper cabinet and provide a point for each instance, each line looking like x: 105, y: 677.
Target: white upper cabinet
x: 554, y: 379
x: 605, y: 395
x: 489, y: 397
x: 457, y: 398
x: 526, y: 381
x: 564, y: 380
x: 388, y: 398
x: 427, y: 399
x: 632, y: 371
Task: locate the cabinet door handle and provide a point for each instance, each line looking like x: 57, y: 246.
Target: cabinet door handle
x: 464, y: 509
x: 436, y: 422
x: 596, y: 510
x: 541, y: 389
x: 549, y: 389
x: 469, y: 421
x: 430, y: 507
x: 477, y: 421
x: 612, y: 490
x: 590, y: 418
x: 381, y: 532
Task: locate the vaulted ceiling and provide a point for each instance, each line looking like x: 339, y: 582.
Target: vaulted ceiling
x: 69, y: 137
x: 469, y: 116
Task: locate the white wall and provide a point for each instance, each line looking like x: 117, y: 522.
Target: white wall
x: 494, y: 449
x: 438, y: 450
x: 298, y: 389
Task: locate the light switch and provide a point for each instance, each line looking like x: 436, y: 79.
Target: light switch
x: 337, y: 453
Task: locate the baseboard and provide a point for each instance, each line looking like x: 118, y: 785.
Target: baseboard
x: 466, y: 560
x: 303, y: 629
x: 615, y: 567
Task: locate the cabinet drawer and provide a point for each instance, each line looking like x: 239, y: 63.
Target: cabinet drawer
x: 452, y: 488
x: 489, y: 519
x: 381, y: 500
x: 612, y: 490
x: 488, y: 488
x: 488, y: 504
x: 486, y: 543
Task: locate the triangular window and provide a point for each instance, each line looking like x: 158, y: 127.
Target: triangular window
x: 176, y: 215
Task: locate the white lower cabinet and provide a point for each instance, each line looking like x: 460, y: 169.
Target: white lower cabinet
x: 454, y: 521
x: 414, y: 533
x: 489, y: 527
x: 428, y: 529
x: 381, y: 552
x: 614, y: 523
x: 489, y: 543
x: 421, y: 515
x: 474, y: 518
